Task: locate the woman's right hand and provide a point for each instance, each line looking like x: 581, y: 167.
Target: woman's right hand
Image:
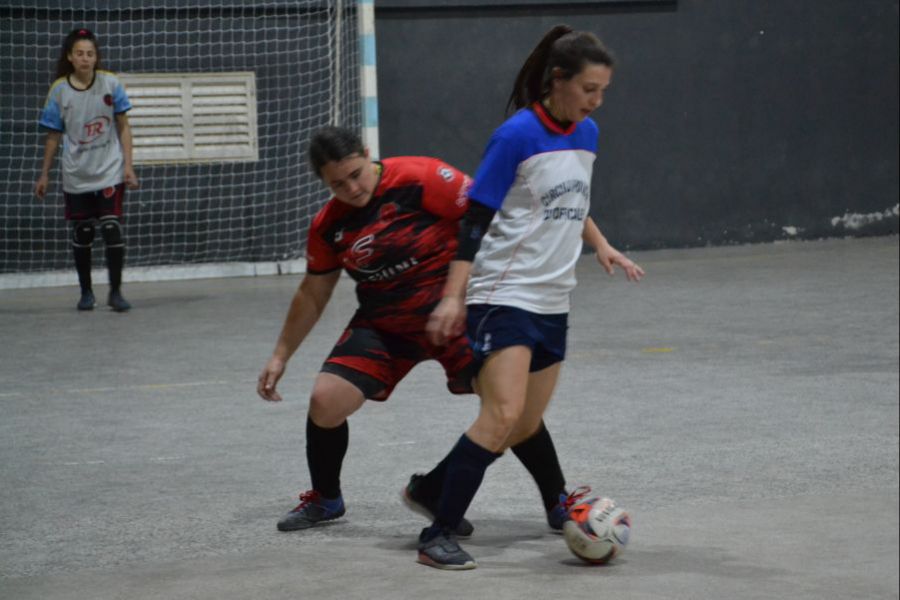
x: 446, y: 321
x: 40, y: 188
x: 268, y: 380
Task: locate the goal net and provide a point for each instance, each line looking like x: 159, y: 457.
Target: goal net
x: 226, y: 94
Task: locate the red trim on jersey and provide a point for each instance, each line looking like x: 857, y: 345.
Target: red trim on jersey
x: 549, y: 122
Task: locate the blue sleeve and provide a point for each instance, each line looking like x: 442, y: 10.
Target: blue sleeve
x: 121, y: 103
x: 51, y: 116
x: 497, y: 171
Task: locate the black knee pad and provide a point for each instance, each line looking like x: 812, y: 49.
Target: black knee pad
x: 83, y: 234
x: 111, y: 230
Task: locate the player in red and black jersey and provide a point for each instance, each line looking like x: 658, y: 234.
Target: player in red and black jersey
x: 393, y: 226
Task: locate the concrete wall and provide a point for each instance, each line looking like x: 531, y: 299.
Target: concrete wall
x: 727, y: 122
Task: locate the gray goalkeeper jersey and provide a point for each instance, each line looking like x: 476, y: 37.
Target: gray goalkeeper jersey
x: 92, y: 155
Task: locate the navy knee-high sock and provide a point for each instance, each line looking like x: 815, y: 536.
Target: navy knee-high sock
x: 538, y: 454
x: 429, y: 487
x: 466, y: 465
x: 325, y: 450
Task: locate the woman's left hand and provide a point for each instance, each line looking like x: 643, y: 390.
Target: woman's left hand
x: 608, y: 257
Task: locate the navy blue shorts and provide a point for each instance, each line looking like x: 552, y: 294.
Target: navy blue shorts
x: 492, y: 328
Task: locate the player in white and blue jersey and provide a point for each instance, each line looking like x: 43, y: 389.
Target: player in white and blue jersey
x: 86, y: 112
x: 528, y: 215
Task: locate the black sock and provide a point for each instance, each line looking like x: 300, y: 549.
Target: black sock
x: 115, y: 261
x: 466, y: 465
x: 82, y: 256
x: 538, y: 455
x: 428, y: 489
x: 325, y: 450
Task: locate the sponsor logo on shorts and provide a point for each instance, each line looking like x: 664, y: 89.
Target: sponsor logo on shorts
x: 486, y: 344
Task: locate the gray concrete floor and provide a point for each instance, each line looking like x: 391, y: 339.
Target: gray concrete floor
x: 741, y: 402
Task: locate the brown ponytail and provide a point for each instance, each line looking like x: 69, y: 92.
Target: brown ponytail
x: 562, y: 48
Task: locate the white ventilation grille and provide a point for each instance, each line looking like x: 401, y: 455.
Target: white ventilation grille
x: 192, y: 117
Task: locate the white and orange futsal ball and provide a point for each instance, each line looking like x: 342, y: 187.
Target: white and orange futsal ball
x: 597, y: 530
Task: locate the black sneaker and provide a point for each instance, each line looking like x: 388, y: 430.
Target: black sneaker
x: 442, y: 551
x: 117, y: 302
x: 87, y: 301
x: 427, y: 509
x: 559, y: 514
x: 312, y: 510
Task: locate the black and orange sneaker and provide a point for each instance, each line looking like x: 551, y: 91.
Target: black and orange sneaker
x: 559, y: 514
x: 312, y: 510
x: 416, y: 503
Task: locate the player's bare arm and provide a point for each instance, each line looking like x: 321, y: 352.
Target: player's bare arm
x: 50, y: 147
x: 307, y: 306
x: 448, y: 318
x: 124, y: 128
x: 607, y: 255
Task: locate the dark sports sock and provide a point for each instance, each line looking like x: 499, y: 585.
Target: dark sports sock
x: 466, y: 465
x: 538, y: 455
x: 82, y: 256
x: 325, y: 450
x: 428, y: 489
x: 115, y: 261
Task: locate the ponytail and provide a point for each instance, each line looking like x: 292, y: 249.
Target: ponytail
x: 562, y: 48
x: 529, y: 85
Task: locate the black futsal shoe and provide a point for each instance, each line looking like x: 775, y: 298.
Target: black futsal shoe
x: 416, y: 503
x: 117, y: 302
x: 87, y: 300
x: 441, y: 551
x: 312, y: 510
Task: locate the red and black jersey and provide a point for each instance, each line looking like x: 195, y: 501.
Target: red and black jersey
x: 397, y: 247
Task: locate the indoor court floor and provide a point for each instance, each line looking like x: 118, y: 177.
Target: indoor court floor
x: 741, y: 402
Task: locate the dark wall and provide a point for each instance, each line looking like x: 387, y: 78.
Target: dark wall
x: 727, y: 122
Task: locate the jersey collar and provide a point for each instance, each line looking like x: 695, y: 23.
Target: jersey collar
x: 549, y: 122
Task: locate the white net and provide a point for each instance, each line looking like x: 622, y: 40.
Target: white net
x: 305, y: 59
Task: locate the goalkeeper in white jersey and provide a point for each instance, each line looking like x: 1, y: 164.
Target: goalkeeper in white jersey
x: 86, y: 112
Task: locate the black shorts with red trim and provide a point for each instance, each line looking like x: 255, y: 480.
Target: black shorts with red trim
x: 95, y: 205
x: 375, y: 360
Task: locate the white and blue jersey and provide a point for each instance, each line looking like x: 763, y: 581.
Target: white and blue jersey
x: 538, y: 178
x: 92, y: 155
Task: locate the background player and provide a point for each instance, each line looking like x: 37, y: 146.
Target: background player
x: 86, y: 109
x: 528, y: 211
x: 392, y: 225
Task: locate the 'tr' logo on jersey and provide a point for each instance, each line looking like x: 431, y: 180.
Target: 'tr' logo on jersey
x: 94, y: 129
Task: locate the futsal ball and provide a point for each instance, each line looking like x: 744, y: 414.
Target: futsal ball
x: 597, y: 530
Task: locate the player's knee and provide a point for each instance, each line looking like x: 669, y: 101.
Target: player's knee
x: 83, y: 234
x: 111, y: 230
x: 327, y: 407
x: 500, y: 419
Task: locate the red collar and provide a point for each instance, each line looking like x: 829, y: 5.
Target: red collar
x: 549, y: 122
